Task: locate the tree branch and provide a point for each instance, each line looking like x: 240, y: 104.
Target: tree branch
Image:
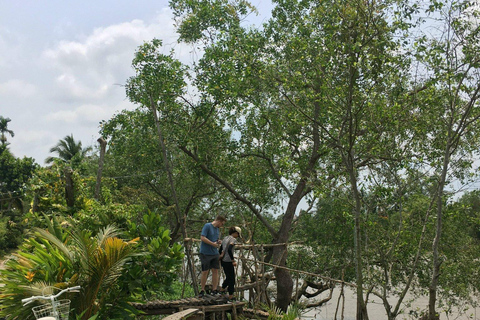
x: 236, y: 195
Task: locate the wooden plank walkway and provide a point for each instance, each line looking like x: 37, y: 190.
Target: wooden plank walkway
x: 207, y: 305
x: 192, y: 314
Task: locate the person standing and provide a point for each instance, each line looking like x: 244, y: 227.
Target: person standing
x: 209, y: 255
x: 227, y: 259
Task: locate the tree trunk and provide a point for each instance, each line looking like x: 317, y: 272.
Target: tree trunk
x: 284, y: 278
x: 103, y: 146
x: 35, y: 203
x: 69, y: 192
x: 284, y: 287
x: 432, y: 313
x: 181, y: 219
x: 361, y: 306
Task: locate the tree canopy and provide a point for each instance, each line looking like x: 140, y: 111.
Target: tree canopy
x: 346, y: 126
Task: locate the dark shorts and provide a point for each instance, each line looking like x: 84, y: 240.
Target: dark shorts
x: 210, y: 261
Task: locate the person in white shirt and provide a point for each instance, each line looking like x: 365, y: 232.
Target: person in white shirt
x: 227, y: 259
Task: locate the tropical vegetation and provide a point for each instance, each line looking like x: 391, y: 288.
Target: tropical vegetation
x: 342, y: 126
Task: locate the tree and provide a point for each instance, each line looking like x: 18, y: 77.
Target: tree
x: 450, y: 108
x: 321, y: 97
x: 4, y: 130
x: 69, y: 151
x: 316, y: 94
x: 144, y: 89
x: 134, y: 159
x: 14, y: 176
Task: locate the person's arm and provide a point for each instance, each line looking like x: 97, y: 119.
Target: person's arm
x: 230, y: 252
x: 207, y: 241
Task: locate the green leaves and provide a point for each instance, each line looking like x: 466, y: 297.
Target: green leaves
x: 158, y: 77
x: 102, y: 264
x: 69, y: 151
x: 198, y: 20
x: 158, y: 267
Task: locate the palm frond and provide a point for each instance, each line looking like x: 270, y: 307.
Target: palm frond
x: 54, y: 240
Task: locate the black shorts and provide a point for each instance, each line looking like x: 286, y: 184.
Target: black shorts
x: 210, y: 261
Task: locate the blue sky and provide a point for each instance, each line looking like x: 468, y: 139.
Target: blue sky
x: 62, y: 64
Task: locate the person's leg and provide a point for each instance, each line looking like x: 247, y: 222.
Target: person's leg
x: 203, y: 280
x: 205, y: 269
x: 224, y: 283
x: 230, y: 278
x: 215, y: 266
x: 214, y: 279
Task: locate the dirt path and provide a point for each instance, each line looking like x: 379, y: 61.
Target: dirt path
x: 2, y: 266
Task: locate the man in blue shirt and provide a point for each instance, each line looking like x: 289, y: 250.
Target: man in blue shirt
x: 209, y: 256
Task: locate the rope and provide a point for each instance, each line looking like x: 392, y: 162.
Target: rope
x: 306, y: 273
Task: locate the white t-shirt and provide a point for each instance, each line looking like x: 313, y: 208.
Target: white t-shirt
x: 225, y: 243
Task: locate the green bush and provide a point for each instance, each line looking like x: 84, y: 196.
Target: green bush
x: 111, y: 271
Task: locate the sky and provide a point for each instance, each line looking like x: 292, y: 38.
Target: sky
x: 63, y: 64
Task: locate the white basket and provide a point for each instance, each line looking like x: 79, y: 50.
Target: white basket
x: 62, y: 308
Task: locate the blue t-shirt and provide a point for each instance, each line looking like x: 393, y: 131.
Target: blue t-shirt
x: 212, y: 234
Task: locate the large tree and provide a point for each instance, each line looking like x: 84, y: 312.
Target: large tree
x: 450, y: 109
x: 321, y: 96
x: 282, y: 109
x: 134, y: 160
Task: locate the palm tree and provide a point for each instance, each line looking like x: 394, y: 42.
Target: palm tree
x: 60, y: 257
x: 68, y: 149
x: 4, y: 130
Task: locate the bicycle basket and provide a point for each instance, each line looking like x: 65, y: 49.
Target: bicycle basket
x: 62, y: 308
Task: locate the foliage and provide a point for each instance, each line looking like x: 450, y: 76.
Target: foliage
x: 3, y: 132
x: 60, y: 257
x: 134, y: 159
x: 320, y: 106
x: 293, y: 312
x: 327, y: 244
x: 14, y: 175
x: 317, y: 103
x: 178, y: 290
x: 11, y: 233
x: 449, y: 111
x: 46, y: 193
x: 152, y: 274
x: 459, y: 251
x: 69, y: 151
x: 37, y: 265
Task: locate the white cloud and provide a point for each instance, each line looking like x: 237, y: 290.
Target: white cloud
x: 9, y: 47
x: 88, y: 114
x: 18, y: 88
x: 88, y: 68
x: 37, y: 142
x: 53, y: 89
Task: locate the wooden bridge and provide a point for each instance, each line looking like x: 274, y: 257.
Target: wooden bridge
x: 253, y: 280
x: 208, y: 307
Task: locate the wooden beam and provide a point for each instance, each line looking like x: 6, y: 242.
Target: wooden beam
x: 185, y: 314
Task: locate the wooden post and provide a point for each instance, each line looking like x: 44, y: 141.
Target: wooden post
x: 257, y: 278
x: 234, y: 311
x: 191, y: 265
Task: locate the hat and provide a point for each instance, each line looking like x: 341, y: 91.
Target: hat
x: 239, y: 230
